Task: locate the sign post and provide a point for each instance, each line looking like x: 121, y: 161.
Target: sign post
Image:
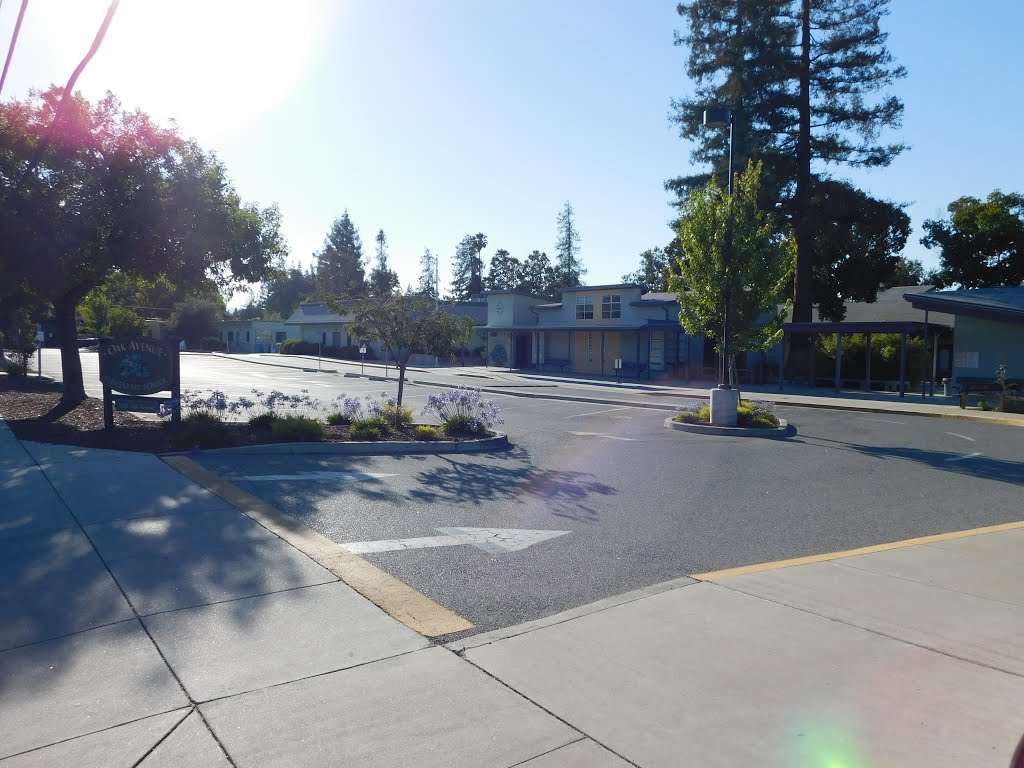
x: 137, y: 366
x: 362, y: 358
x: 618, y: 370
x: 40, y: 338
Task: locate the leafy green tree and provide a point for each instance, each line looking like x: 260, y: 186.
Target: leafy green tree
x: 538, y: 275
x: 125, y: 322
x: 95, y: 313
x: 981, y: 243
x: 112, y: 191
x: 339, y: 264
x: 468, y: 267
x: 428, y: 275
x: 506, y: 272
x: 907, y: 272
x: 653, y: 272
x: 280, y: 296
x: 569, y: 271
x: 383, y: 281
x: 195, y: 319
x: 406, y: 325
x: 856, y: 241
x: 752, y: 280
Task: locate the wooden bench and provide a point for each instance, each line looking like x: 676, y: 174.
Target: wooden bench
x: 985, y: 384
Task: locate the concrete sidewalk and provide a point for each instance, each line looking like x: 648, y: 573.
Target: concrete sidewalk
x: 146, y: 622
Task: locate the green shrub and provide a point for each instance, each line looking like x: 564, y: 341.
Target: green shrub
x: 700, y: 414
x: 338, y: 419
x: 755, y: 416
x: 389, y: 414
x: 461, y: 425
x: 296, y: 429
x: 298, y: 347
x: 212, y: 344
x: 426, y: 432
x: 368, y: 429
x: 263, y: 421
x: 201, y: 430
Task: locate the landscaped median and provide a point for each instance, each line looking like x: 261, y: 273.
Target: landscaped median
x: 754, y: 418
x: 266, y: 422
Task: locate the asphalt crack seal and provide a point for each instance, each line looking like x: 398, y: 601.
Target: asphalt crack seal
x: 396, y: 598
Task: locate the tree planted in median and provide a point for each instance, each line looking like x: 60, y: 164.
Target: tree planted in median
x: 753, y: 278
x: 405, y: 325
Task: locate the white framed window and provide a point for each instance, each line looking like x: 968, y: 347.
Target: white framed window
x: 584, y: 307
x: 611, y: 307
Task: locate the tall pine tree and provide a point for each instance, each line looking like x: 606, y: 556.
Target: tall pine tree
x: 806, y: 80
x: 506, y: 272
x: 339, y: 265
x: 569, y: 271
x: 383, y: 281
x: 468, y: 267
x: 428, y: 275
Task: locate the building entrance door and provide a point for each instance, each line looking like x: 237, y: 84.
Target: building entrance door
x: 523, y: 349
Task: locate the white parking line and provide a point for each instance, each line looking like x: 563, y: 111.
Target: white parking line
x: 595, y: 413
x: 963, y: 458
x: 883, y: 421
x: 965, y: 437
x: 598, y: 434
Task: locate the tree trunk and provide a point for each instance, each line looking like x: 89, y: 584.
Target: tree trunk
x: 70, y: 363
x: 802, y: 298
x: 401, y: 388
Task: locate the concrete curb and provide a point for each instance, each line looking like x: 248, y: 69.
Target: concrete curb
x: 351, y: 448
x: 783, y: 430
x: 275, y: 365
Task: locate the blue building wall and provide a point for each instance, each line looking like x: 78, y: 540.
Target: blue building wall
x: 980, y: 346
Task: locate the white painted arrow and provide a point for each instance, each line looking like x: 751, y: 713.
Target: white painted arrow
x: 322, y: 476
x: 493, y: 540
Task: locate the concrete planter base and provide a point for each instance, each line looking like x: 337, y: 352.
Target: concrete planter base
x: 783, y: 430
x: 724, y: 404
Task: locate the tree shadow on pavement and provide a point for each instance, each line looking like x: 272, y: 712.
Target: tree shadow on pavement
x: 472, y: 480
x: 83, y: 556
x: 980, y: 466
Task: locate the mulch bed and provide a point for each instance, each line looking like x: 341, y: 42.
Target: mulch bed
x: 32, y: 409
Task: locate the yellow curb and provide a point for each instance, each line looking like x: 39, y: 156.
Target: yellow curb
x: 779, y: 564
x: 394, y: 597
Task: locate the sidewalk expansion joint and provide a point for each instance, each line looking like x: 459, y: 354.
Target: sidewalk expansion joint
x: 556, y: 716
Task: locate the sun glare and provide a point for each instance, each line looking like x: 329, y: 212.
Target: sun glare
x: 213, y: 65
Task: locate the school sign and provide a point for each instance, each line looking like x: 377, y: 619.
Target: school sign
x: 137, y: 366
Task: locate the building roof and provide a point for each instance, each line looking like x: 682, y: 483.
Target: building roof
x: 576, y: 288
x: 889, y: 307
x: 1004, y: 303
x: 315, y: 313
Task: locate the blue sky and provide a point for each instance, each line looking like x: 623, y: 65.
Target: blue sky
x: 435, y: 120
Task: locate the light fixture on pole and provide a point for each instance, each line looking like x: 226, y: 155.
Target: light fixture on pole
x: 722, y: 118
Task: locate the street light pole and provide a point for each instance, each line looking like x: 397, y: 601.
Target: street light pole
x: 720, y: 118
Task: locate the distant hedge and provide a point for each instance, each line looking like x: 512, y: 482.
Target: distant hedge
x: 299, y: 347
